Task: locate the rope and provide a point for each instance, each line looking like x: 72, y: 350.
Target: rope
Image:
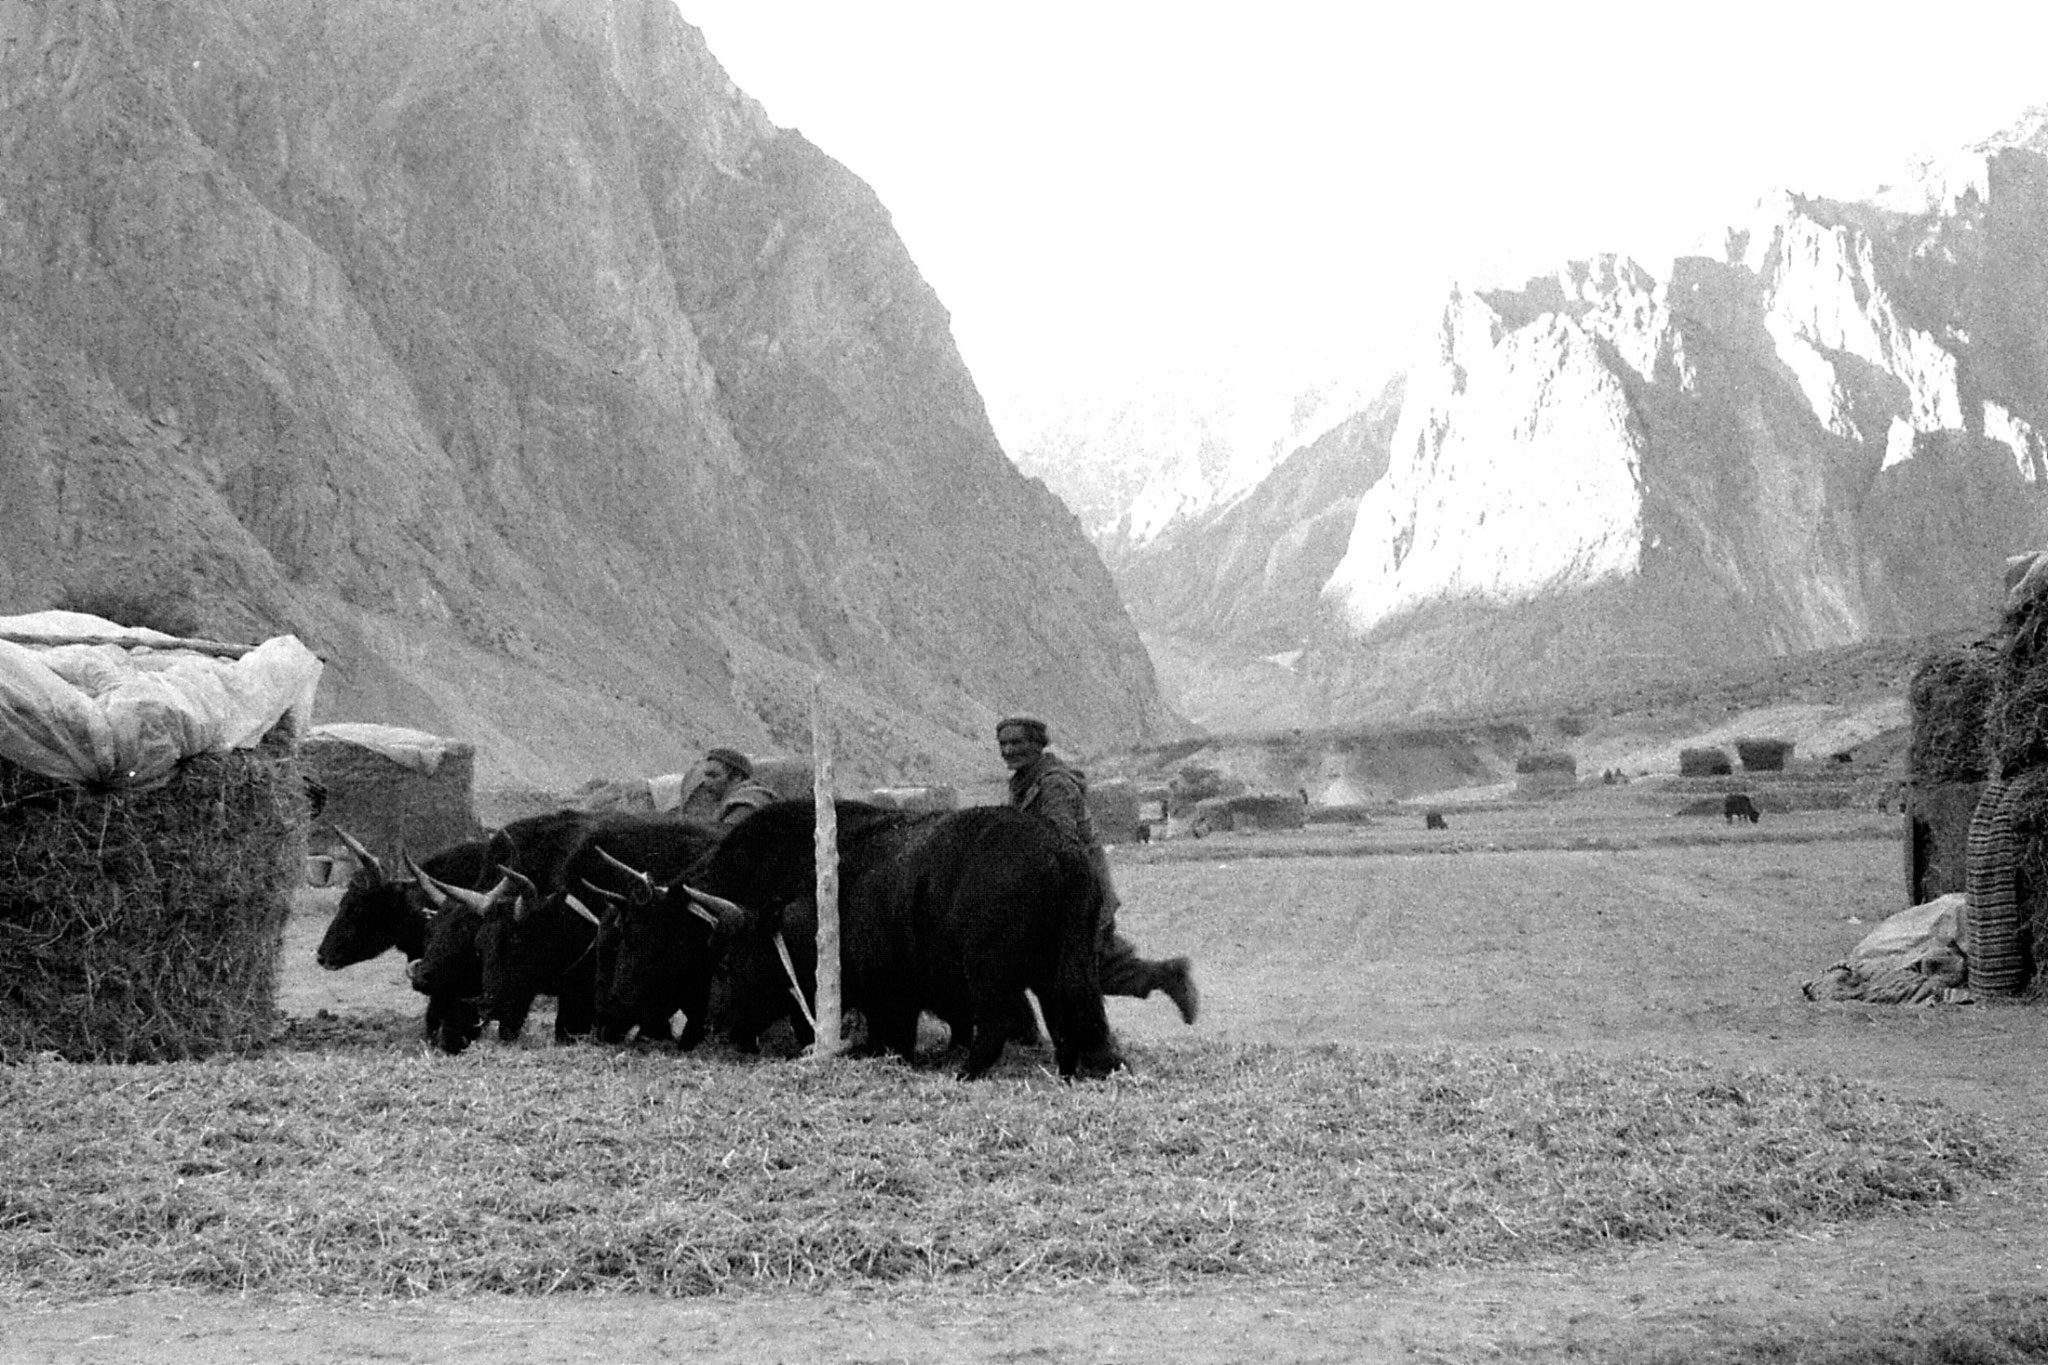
x: 789, y: 969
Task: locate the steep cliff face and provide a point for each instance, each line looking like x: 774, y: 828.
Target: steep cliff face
x: 1829, y: 433
x: 1146, y: 463
x: 1250, y: 572
x: 1517, y: 470
x: 509, y: 355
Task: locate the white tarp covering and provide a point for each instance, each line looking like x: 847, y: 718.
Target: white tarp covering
x: 126, y: 708
x: 415, y: 749
x: 1912, y: 936
x: 669, y: 789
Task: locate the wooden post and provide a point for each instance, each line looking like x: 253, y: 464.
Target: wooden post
x: 830, y: 1034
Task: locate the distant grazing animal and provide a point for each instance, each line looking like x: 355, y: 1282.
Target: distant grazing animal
x: 955, y: 912
x: 1738, y: 806
x: 1435, y: 820
x: 1144, y: 835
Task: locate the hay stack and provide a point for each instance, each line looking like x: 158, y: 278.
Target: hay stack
x: 609, y: 795
x: 1950, y: 698
x: 1704, y: 763
x: 2016, y: 721
x: 2016, y: 750
x: 146, y: 925
x: 791, y: 779
x: 928, y: 798
x: 1251, y: 811
x: 1937, y: 842
x: 399, y: 791
x: 1193, y: 785
x: 1949, y: 695
x: 1113, y: 809
x: 1548, y: 771
x: 1763, y: 755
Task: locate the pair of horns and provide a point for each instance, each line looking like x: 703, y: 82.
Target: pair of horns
x: 441, y: 895
x: 713, y: 910
x: 362, y: 854
x: 365, y: 858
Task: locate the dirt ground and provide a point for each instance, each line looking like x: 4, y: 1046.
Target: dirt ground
x: 1688, y: 950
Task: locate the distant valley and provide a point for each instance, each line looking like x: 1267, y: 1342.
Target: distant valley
x: 1831, y: 432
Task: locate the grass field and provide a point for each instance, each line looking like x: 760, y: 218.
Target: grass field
x: 1440, y: 1087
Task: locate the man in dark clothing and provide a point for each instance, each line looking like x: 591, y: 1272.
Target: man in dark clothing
x: 1041, y: 783
x: 725, y: 791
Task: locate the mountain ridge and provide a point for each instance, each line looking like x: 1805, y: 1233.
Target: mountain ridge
x: 1830, y: 432
x: 508, y: 355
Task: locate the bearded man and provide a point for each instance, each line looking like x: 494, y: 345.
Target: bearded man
x: 725, y: 792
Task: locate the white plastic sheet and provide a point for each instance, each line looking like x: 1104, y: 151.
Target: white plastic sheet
x: 669, y: 789
x: 415, y: 749
x: 127, y: 711
x: 1912, y: 935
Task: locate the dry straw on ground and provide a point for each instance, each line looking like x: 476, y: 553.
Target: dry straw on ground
x: 145, y: 925
x: 574, y: 1170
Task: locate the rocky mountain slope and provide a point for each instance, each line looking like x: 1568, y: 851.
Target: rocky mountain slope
x: 1833, y: 431
x: 1140, y: 463
x: 507, y: 354
x: 1253, y: 569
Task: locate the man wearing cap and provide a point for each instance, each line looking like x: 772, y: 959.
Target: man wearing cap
x: 1041, y: 783
x: 726, y: 792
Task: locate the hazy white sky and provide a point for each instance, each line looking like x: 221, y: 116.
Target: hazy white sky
x: 1102, y: 190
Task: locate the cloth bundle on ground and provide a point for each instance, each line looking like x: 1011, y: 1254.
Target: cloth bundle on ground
x: 1912, y: 958
x: 85, y: 700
